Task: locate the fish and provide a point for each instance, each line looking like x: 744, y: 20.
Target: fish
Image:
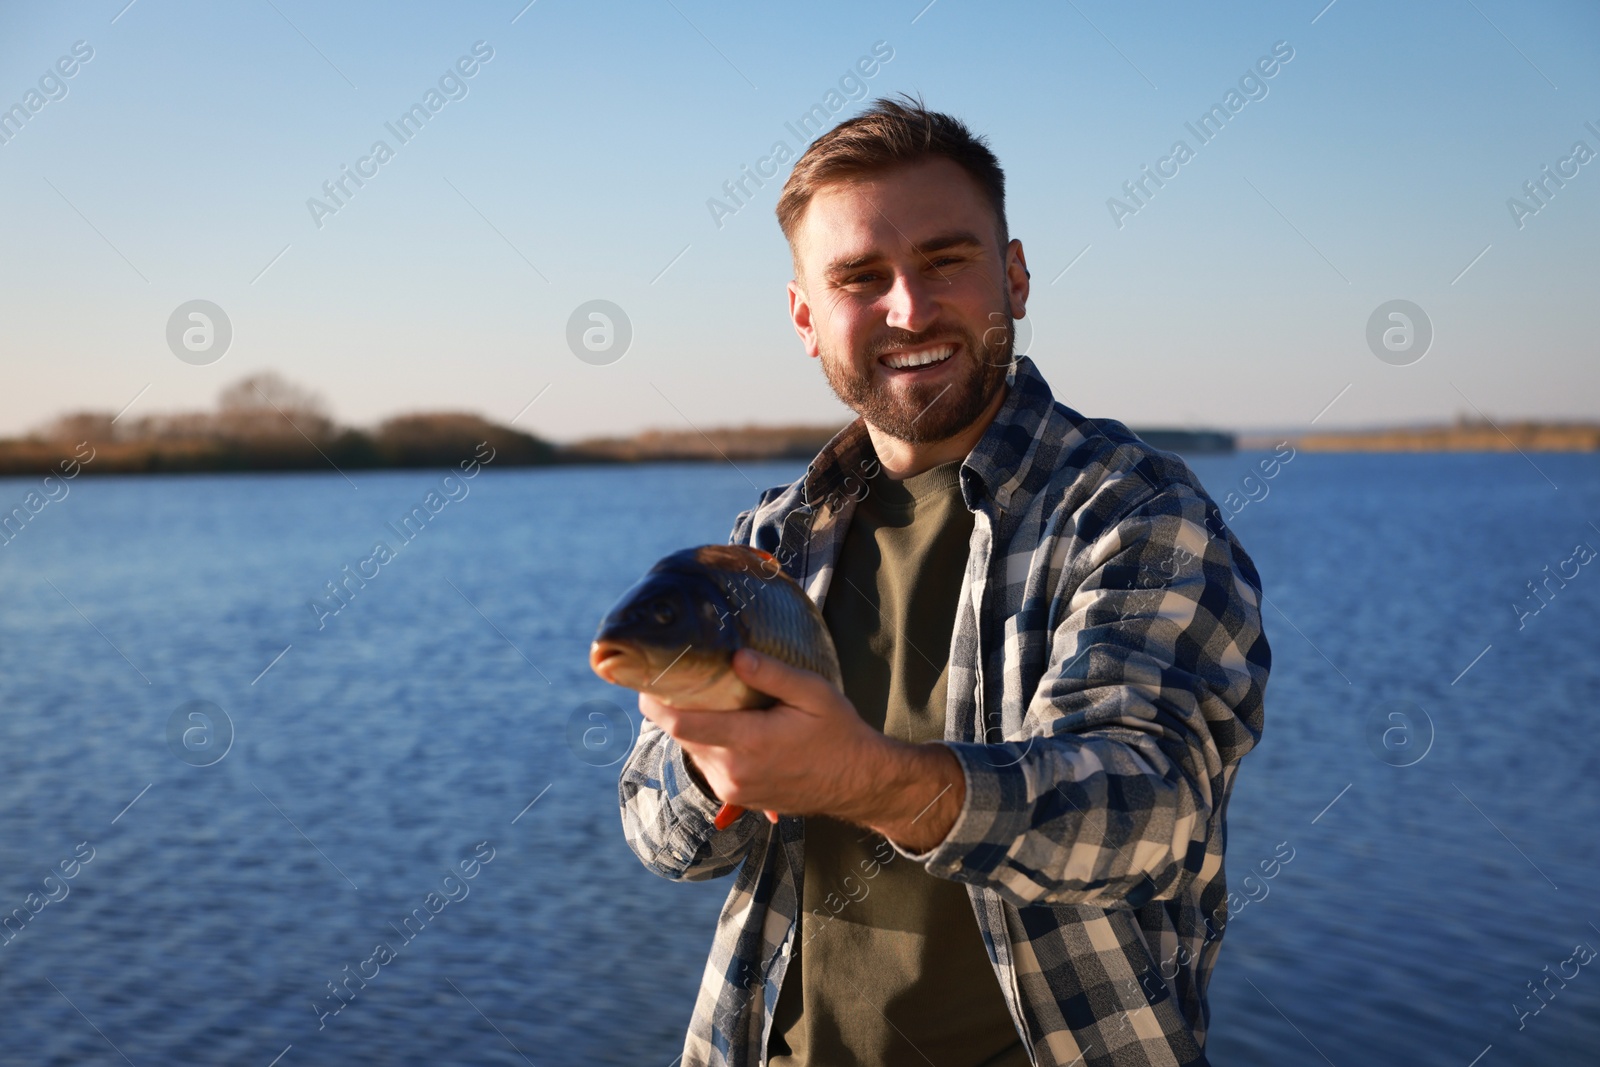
x: 674, y: 632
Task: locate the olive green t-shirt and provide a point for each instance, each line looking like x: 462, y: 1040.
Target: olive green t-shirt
x: 888, y: 965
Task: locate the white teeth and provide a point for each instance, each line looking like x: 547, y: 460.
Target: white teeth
x: 919, y: 359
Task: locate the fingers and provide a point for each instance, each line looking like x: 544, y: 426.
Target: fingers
x: 657, y: 712
x: 708, y: 727
x: 714, y: 728
x: 683, y: 724
x: 791, y: 685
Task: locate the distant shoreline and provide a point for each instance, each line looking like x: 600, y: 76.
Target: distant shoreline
x: 1464, y: 436
x: 429, y: 441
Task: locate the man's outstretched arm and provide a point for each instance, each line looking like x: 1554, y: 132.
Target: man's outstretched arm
x: 814, y: 755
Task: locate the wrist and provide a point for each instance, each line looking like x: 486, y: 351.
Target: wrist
x: 913, y: 793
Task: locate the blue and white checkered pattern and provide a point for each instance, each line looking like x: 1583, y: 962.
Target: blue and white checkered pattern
x: 1107, y: 672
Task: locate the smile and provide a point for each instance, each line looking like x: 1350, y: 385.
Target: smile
x: 919, y: 358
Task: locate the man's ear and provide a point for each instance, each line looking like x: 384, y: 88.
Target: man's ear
x: 800, y: 315
x: 1017, y: 282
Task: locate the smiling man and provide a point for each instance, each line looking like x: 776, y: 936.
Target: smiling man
x: 1001, y: 843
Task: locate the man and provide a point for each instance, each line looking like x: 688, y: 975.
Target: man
x: 1002, y: 843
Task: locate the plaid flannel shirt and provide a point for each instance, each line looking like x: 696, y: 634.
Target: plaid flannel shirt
x: 1106, y: 675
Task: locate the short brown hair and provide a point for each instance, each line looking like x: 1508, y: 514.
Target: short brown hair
x: 890, y: 133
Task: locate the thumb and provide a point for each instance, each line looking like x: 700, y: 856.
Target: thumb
x: 770, y: 675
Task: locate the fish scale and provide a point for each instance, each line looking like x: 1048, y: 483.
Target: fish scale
x: 780, y: 620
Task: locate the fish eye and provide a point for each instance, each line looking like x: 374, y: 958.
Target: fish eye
x: 661, y: 611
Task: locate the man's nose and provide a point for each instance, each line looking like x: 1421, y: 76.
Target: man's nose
x: 913, y: 302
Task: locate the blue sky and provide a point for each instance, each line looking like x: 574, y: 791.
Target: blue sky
x: 580, y: 160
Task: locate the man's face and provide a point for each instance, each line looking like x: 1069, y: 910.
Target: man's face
x: 907, y: 298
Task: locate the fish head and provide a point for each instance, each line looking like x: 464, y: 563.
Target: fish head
x: 667, y: 635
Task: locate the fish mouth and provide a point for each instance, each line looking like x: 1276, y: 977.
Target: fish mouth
x: 610, y: 659
x: 642, y: 669
x: 626, y: 664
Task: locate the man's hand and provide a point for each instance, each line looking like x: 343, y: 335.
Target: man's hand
x: 811, y: 754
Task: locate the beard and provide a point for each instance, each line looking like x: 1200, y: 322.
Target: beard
x: 926, y: 412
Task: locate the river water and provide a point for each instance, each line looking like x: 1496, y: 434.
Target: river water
x: 411, y: 753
